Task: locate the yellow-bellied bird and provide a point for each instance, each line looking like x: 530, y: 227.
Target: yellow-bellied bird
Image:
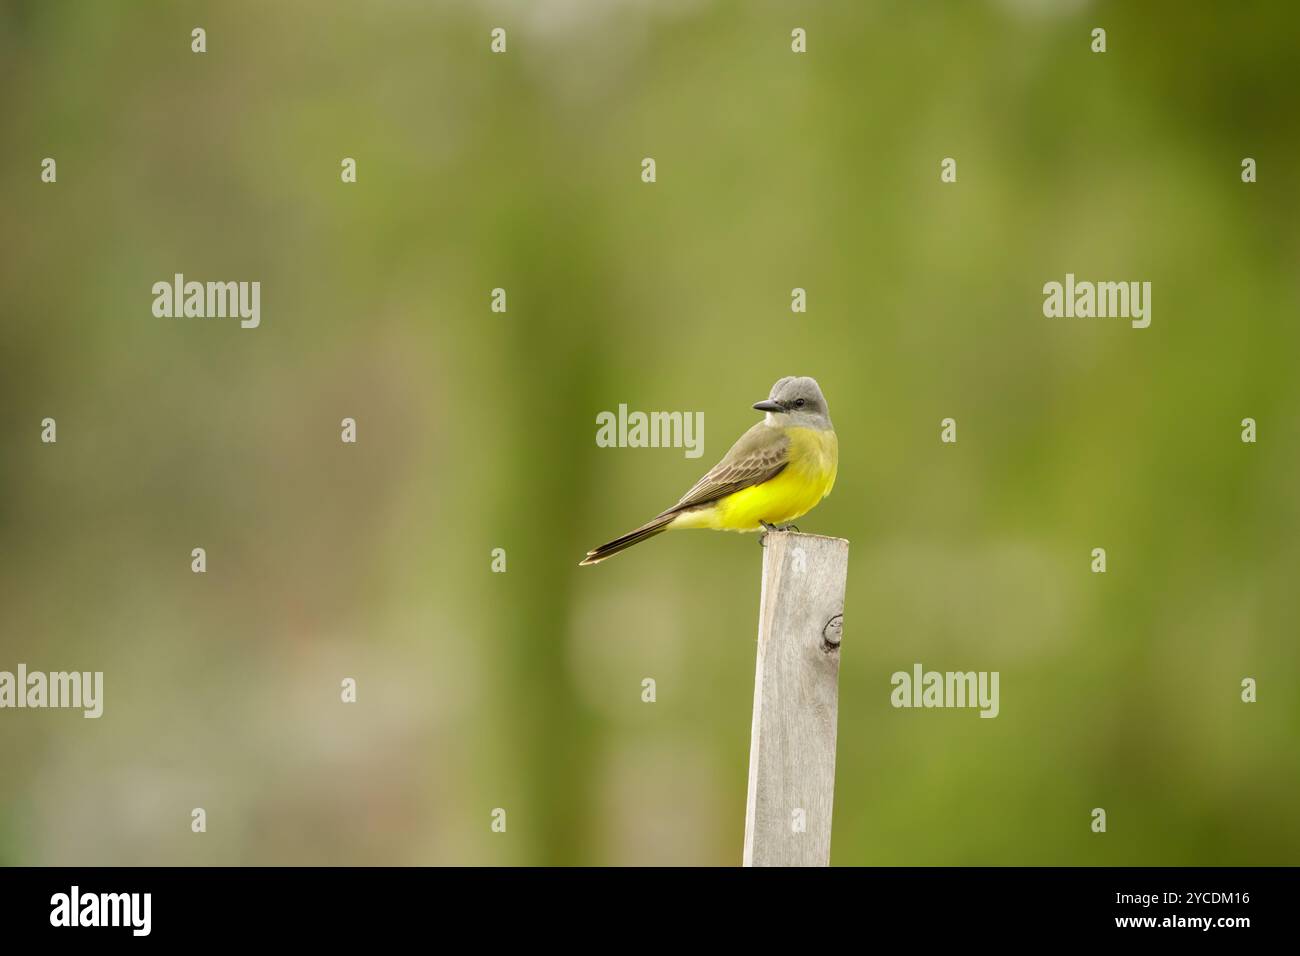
x: 777, y: 472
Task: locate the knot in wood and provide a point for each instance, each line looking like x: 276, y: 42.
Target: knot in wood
x: 831, y: 632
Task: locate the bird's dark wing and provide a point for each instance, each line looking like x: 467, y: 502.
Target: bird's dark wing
x: 759, y: 455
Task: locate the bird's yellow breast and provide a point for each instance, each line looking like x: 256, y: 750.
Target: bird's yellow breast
x: 805, y: 480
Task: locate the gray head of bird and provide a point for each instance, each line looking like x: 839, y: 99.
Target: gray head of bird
x: 796, y: 401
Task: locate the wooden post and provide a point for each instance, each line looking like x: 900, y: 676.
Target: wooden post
x: 796, y: 701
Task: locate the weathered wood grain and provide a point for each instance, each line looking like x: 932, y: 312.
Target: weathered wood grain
x: 796, y: 701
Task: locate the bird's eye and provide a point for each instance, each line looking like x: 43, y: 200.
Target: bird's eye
x: 798, y: 403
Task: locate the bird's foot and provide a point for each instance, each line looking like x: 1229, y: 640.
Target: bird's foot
x: 769, y: 528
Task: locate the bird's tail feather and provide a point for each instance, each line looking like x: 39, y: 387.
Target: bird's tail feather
x: 647, y: 530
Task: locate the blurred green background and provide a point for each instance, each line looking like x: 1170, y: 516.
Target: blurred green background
x: 477, y: 430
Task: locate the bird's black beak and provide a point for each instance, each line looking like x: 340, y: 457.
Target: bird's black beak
x: 767, y: 405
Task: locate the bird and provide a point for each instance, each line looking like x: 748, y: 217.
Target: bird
x: 776, y: 472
